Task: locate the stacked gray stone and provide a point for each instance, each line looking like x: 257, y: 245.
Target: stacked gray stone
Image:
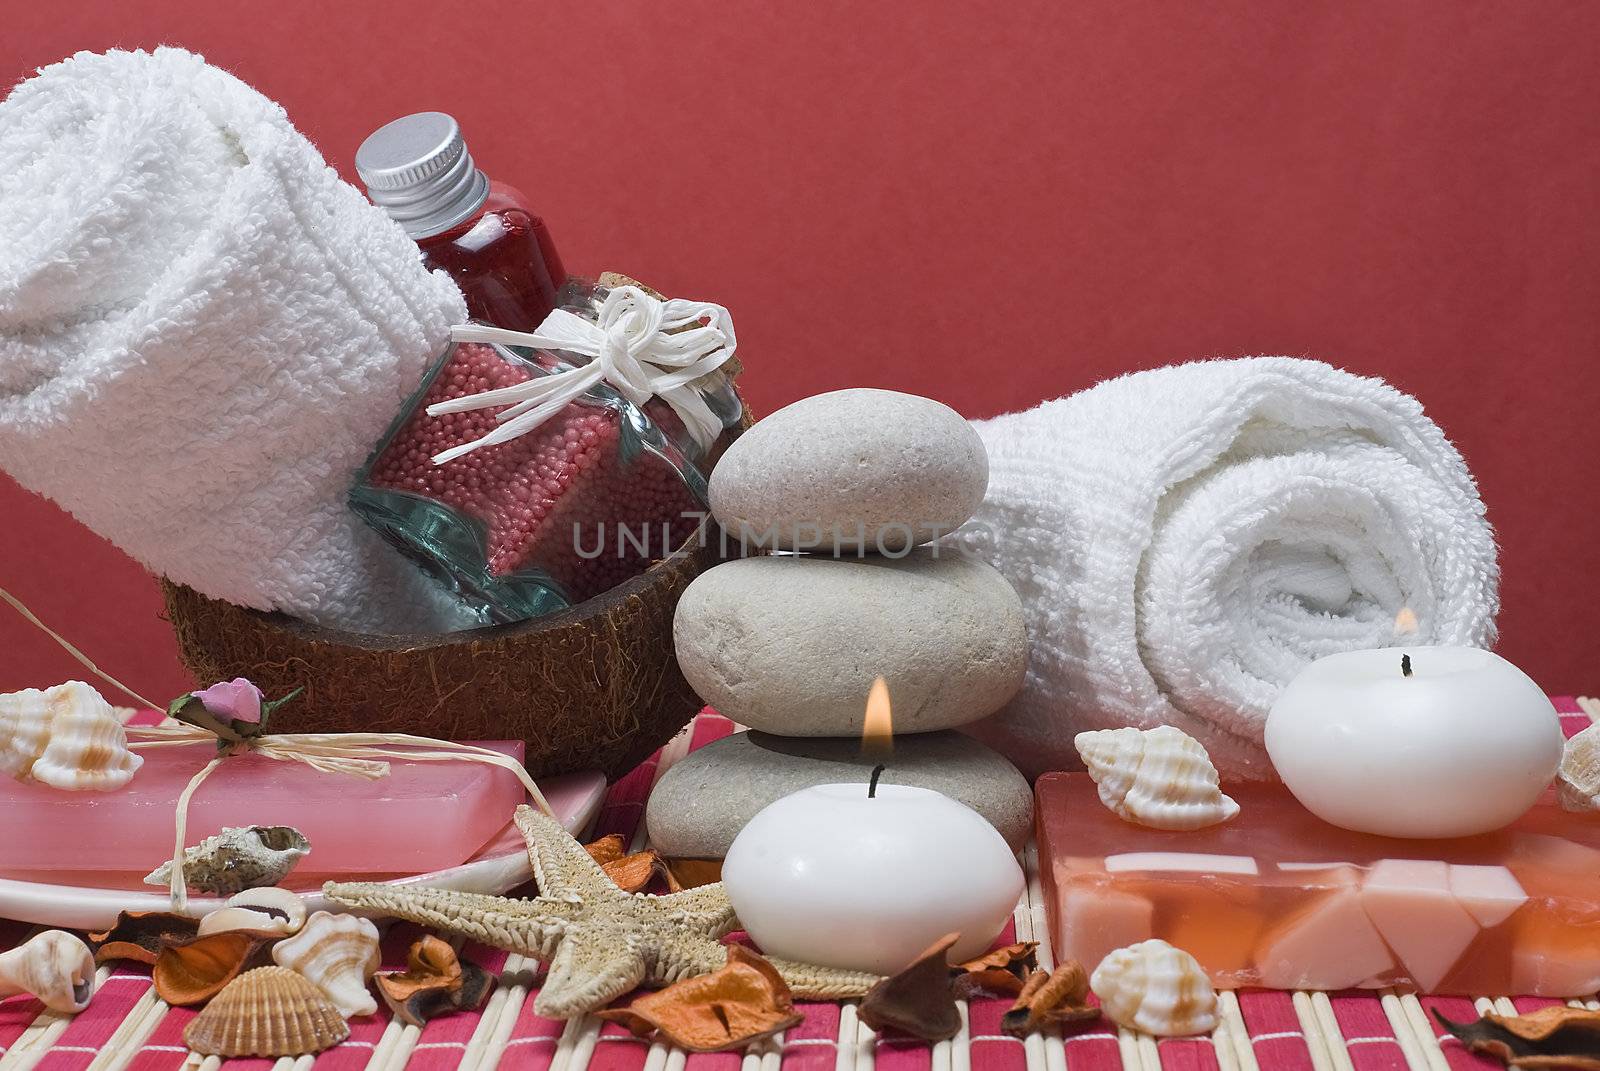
x: 849, y: 490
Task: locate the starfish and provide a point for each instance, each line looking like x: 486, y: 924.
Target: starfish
x: 598, y: 941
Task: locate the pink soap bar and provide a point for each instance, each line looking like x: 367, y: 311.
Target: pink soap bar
x: 1280, y: 899
x: 424, y: 816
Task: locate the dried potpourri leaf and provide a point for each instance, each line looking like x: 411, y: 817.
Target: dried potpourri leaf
x: 1000, y: 970
x: 919, y: 1000
x: 430, y: 964
x: 608, y: 849
x: 692, y: 873
x: 728, y: 1009
x: 1551, y: 1037
x: 1005, y: 958
x: 192, y: 970
x: 436, y: 982
x: 632, y: 873
x: 1048, y: 999
x: 137, y: 935
x: 993, y: 980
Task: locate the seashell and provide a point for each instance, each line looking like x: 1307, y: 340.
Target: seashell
x: 1161, y: 777
x: 1154, y: 987
x: 1578, y: 781
x: 268, y: 909
x: 338, y: 953
x: 54, y: 966
x: 247, y: 857
x: 67, y: 737
x: 268, y: 1012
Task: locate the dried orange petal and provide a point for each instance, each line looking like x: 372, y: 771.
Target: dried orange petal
x: 727, y: 1009
x: 633, y: 873
x: 1551, y: 1037
x: 608, y: 848
x: 431, y: 964
x: 1050, y: 998
x: 1010, y: 955
x: 192, y: 970
x: 137, y: 935
x: 692, y: 873
x: 992, y: 980
x: 436, y: 982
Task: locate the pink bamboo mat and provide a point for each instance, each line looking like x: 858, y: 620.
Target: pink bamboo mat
x: 127, y: 1027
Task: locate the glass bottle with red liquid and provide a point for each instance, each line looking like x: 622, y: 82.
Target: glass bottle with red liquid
x: 561, y: 514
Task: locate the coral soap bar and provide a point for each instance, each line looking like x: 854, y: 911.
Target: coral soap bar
x: 424, y: 816
x: 1278, y: 898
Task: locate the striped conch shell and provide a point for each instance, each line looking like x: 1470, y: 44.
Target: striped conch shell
x: 338, y: 953
x: 1161, y: 777
x: 54, y: 966
x: 1156, y: 988
x: 66, y: 737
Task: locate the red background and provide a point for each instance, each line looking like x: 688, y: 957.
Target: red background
x: 993, y: 204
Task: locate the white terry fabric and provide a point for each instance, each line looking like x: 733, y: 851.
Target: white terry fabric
x: 1185, y: 539
x: 203, y: 332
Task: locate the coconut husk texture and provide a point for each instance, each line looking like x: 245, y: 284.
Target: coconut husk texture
x: 595, y: 686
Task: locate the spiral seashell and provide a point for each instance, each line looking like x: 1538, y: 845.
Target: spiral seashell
x: 67, y: 737
x: 267, y: 1012
x: 1161, y: 777
x: 247, y: 857
x: 268, y: 910
x: 338, y: 953
x: 1578, y: 781
x: 1156, y: 988
x: 54, y: 966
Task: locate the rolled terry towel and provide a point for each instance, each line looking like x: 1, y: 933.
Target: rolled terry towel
x: 1186, y: 539
x: 203, y: 332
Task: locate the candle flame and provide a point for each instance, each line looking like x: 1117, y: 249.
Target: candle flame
x: 877, y: 730
x: 1405, y: 622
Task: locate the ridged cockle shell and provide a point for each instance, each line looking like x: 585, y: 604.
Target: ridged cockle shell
x: 1156, y: 988
x: 67, y: 737
x: 268, y: 1012
x: 1161, y: 777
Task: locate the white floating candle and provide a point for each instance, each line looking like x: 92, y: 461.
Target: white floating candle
x: 835, y: 876
x: 1415, y: 741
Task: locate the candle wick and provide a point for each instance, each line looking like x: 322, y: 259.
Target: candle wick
x: 872, y: 786
x: 1405, y: 665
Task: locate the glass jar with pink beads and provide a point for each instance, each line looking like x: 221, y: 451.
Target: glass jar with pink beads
x: 533, y: 471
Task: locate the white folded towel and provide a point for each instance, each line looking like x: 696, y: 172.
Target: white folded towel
x: 1185, y: 539
x: 203, y: 332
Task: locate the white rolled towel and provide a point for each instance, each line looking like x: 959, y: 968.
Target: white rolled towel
x: 1186, y: 539
x: 203, y: 332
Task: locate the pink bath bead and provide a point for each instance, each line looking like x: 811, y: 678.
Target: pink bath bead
x: 543, y: 494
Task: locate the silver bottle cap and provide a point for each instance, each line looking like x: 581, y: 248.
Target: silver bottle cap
x: 418, y: 170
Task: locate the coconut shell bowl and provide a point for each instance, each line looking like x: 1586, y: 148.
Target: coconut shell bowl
x: 592, y: 687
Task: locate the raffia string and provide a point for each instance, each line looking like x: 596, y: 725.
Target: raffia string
x: 83, y: 659
x: 643, y: 346
x: 363, y: 755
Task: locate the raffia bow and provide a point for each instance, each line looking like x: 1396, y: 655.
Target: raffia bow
x: 364, y: 755
x: 642, y: 345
